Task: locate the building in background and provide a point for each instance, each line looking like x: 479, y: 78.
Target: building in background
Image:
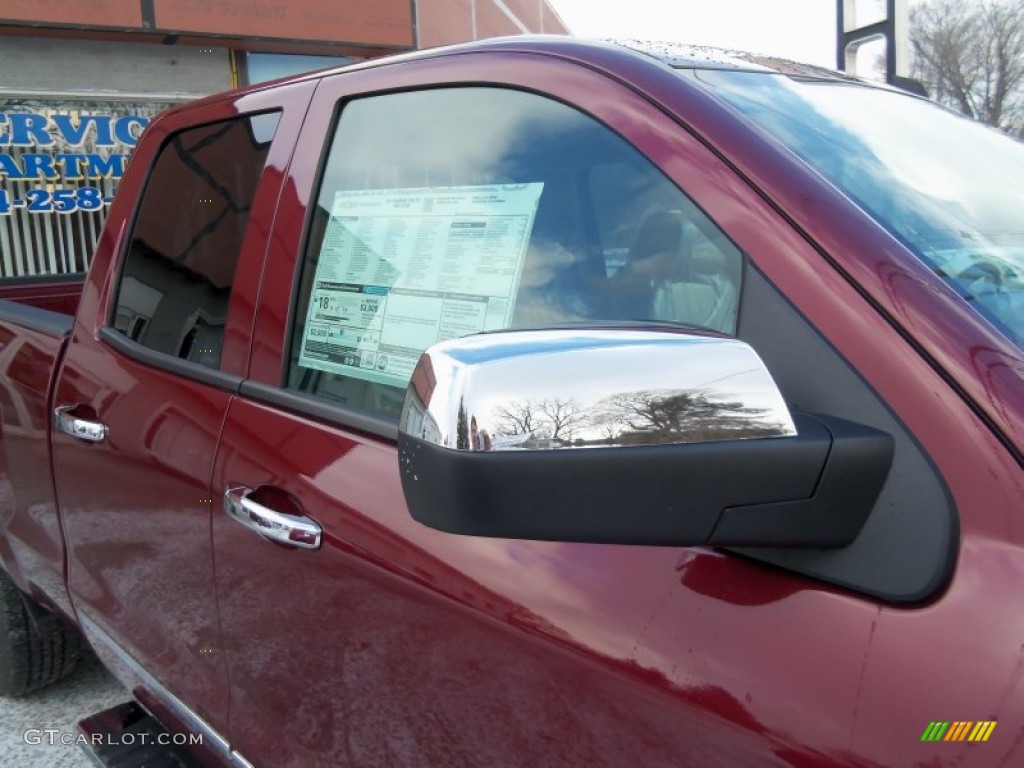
x: 82, y: 80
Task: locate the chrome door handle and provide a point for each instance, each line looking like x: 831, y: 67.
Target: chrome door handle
x: 83, y: 429
x: 291, y: 530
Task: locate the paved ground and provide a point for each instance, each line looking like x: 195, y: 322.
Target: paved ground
x: 87, y: 690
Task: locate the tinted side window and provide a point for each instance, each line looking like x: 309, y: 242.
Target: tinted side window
x: 450, y: 212
x: 176, y: 283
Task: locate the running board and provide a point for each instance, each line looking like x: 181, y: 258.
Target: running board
x: 126, y: 736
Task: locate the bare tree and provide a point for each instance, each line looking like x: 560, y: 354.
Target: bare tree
x: 555, y: 419
x: 971, y: 57
x: 684, y: 416
x: 516, y: 418
x: 563, y: 417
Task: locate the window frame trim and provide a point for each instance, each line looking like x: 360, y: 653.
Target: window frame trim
x: 140, y: 353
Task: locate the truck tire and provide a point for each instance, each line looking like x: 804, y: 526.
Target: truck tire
x: 36, y: 647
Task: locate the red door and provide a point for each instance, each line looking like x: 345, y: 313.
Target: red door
x: 362, y: 637
x: 395, y: 644
x: 155, y: 357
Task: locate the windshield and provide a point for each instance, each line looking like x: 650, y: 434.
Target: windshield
x: 950, y: 189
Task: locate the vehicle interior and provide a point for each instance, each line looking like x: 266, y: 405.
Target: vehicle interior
x: 612, y: 238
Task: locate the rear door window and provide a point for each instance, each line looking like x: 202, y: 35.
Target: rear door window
x: 176, y: 284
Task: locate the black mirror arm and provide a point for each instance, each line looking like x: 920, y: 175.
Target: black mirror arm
x: 851, y: 480
x: 812, y: 490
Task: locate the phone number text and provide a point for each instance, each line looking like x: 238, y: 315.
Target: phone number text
x: 63, y: 200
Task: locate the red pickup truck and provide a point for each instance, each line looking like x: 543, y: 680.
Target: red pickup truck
x: 538, y: 402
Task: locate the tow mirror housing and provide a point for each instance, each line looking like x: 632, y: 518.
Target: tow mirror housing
x: 631, y: 437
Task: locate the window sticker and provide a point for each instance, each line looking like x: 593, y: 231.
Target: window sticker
x: 401, y: 269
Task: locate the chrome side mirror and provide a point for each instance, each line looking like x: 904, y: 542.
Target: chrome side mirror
x: 553, y: 390
x: 627, y: 436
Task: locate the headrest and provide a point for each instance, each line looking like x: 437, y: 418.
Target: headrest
x: 660, y: 231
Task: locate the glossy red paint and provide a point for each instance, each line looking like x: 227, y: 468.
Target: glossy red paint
x: 870, y: 313
x: 136, y: 510
x: 397, y: 644
x: 32, y: 545
x: 136, y: 513
x: 620, y: 614
x: 55, y: 294
x: 535, y: 650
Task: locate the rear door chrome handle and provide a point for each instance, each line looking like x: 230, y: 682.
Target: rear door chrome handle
x: 290, y: 530
x: 83, y: 429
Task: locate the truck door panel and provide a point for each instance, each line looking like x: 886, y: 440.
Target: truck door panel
x: 393, y: 641
x: 157, y: 374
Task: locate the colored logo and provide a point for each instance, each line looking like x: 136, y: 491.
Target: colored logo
x: 960, y: 730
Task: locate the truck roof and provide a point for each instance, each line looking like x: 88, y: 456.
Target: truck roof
x: 683, y: 56
x: 675, y: 55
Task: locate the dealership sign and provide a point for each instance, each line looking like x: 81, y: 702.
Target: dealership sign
x: 57, y: 133
x: 60, y: 163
